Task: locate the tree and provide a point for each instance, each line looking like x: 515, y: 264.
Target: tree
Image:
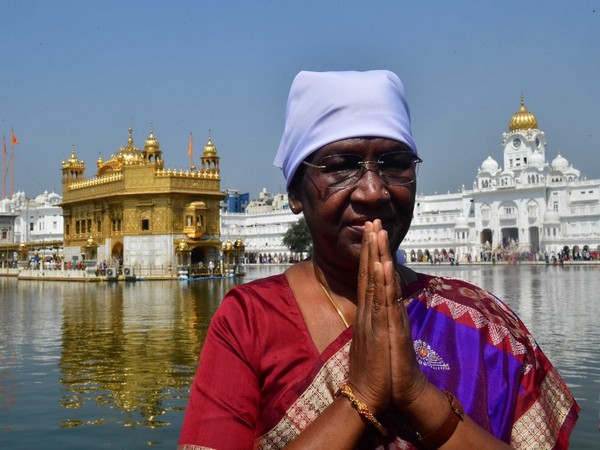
x: 297, y: 237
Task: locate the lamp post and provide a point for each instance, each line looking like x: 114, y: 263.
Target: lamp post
x: 183, y: 261
x: 239, y: 257
x: 22, y: 255
x: 228, y: 251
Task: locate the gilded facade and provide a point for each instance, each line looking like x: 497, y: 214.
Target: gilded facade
x: 135, y: 213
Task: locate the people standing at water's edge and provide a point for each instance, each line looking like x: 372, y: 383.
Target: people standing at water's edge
x: 348, y: 349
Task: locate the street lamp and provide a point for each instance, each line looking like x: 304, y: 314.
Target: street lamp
x: 239, y: 257
x: 182, y: 250
x: 228, y: 251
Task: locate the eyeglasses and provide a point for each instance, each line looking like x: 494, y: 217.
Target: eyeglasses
x: 344, y: 170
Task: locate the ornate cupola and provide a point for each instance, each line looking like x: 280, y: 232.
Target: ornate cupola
x: 72, y: 169
x: 210, y: 160
x: 523, y: 119
x: 126, y: 156
x: 152, y: 153
x: 524, y: 143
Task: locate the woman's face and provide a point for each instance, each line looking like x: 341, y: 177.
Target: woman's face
x: 336, y: 218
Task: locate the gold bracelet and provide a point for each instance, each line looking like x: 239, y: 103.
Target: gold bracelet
x: 445, y: 431
x: 362, y: 409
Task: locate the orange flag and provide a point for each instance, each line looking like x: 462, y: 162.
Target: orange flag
x: 13, y: 138
x: 191, y: 147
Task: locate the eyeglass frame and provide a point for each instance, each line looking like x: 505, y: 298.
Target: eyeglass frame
x: 416, y: 160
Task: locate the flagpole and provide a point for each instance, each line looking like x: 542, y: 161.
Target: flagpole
x: 3, y: 166
x: 12, y: 170
x: 191, y: 152
x: 12, y: 165
x: 13, y: 141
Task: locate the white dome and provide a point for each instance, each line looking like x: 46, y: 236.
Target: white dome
x: 489, y: 165
x: 551, y: 216
x: 572, y: 171
x: 42, y: 198
x: 536, y: 159
x: 54, y: 198
x: 560, y: 163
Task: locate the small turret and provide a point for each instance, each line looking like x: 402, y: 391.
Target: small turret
x: 72, y: 169
x: 210, y: 160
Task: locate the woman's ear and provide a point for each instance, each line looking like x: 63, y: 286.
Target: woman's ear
x: 294, y: 201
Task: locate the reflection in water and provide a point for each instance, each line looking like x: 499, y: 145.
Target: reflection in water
x: 135, y: 356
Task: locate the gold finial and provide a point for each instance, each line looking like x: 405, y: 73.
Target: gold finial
x: 73, y: 158
x: 130, y: 140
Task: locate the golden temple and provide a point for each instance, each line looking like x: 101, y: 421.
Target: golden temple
x: 136, y: 213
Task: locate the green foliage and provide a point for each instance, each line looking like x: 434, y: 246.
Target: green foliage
x: 297, y: 237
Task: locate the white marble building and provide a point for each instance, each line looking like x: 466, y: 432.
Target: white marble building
x: 37, y: 220
x: 525, y: 205
x: 261, y: 227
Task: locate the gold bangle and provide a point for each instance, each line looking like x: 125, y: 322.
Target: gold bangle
x: 362, y: 409
x: 445, y: 431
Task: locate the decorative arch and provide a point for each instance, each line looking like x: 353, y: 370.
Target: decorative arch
x: 116, y: 253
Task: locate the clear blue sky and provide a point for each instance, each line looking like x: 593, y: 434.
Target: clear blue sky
x: 82, y: 72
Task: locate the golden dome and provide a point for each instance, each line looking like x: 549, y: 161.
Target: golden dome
x: 129, y: 155
x: 73, y: 158
x: 209, y: 148
x: 239, y: 243
x: 151, y: 143
x: 73, y: 161
x: 523, y: 119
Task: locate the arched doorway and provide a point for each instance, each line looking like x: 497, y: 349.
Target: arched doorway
x: 509, y: 235
x: 534, y: 238
x: 199, y: 256
x: 116, y: 254
x: 485, y: 239
x: 485, y: 236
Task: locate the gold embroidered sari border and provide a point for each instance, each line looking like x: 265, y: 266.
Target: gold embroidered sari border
x: 311, y: 403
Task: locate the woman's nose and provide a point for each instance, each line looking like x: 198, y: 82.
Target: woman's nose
x: 370, y: 187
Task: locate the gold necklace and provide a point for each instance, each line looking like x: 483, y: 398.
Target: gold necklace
x: 334, y: 305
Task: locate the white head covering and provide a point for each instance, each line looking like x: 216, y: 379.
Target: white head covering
x: 325, y: 107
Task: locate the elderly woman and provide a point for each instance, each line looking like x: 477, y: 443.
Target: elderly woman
x: 349, y: 349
